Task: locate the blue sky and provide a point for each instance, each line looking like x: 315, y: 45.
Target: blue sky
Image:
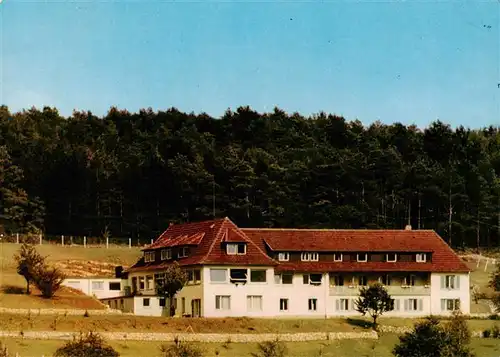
x: 406, y: 61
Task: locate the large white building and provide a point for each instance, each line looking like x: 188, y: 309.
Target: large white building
x: 296, y: 272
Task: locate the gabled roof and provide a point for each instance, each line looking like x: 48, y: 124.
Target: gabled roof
x: 208, y: 237
x: 444, y: 258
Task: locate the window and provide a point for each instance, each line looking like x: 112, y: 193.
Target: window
x: 166, y: 254
x: 194, y: 276
x: 145, y: 302
x: 309, y: 257
x: 409, y: 280
x: 114, y: 286
x: 254, y: 303
x: 362, y: 280
x: 421, y: 258
x: 183, y: 305
x: 313, y: 279
x: 141, y: 283
x: 336, y: 280
x: 162, y: 302
x: 284, y: 278
x: 222, y: 302
x: 362, y: 257
x: 342, y: 305
x: 283, y: 304
x: 413, y: 305
x: 197, y: 275
x: 183, y: 252
x: 283, y: 257
x: 149, y: 282
x: 98, y: 285
x: 313, y: 304
x: 238, y: 275
x: 385, y: 279
x: 450, y: 304
x: 451, y: 281
x: 218, y: 275
x: 236, y: 248
x: 391, y: 257
x: 337, y: 257
x: 258, y: 276
x: 149, y: 257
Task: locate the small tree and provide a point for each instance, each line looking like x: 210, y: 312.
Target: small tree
x: 426, y: 340
x: 374, y: 301
x: 273, y: 348
x: 457, y: 337
x: 29, y: 262
x: 48, y: 280
x: 181, y: 349
x: 86, y: 345
x: 170, y: 283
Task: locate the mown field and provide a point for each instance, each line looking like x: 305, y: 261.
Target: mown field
x: 342, y: 348
x: 74, y: 260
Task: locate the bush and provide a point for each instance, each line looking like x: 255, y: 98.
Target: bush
x: 486, y: 333
x: 495, y: 331
x: 4, y: 352
x: 274, y: 348
x: 86, y: 345
x: 181, y: 349
x: 493, y: 317
x: 48, y: 281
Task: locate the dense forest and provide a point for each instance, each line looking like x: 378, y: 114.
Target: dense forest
x: 131, y: 174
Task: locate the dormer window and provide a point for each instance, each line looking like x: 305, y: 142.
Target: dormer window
x: 363, y: 257
x: 236, y: 249
x: 149, y: 257
x: 166, y: 254
x: 309, y: 257
x: 183, y: 252
x: 391, y: 257
x: 337, y: 257
x: 421, y: 258
x: 283, y: 256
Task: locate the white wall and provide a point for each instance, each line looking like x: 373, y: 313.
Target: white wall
x: 98, y: 287
x: 462, y: 292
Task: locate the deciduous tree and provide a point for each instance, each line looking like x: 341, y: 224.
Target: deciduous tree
x: 29, y: 263
x: 170, y: 283
x: 374, y: 301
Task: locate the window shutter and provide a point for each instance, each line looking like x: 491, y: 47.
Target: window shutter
x: 443, y: 282
x: 457, y: 278
x: 337, y: 304
x: 420, y: 304
x: 443, y: 304
x: 406, y: 304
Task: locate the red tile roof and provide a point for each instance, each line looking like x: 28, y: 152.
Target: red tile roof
x: 209, y: 238
x: 444, y: 258
x: 208, y: 241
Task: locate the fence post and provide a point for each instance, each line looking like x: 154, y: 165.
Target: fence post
x: 62, y: 241
x: 107, y: 242
x: 130, y: 243
x: 85, y: 241
x: 40, y: 239
x: 71, y: 240
x: 17, y: 238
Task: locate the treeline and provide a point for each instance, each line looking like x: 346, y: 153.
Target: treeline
x: 131, y: 174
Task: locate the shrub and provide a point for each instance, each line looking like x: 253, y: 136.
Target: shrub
x: 273, y: 348
x: 4, y: 352
x: 486, y: 333
x: 181, y: 349
x: 493, y: 317
x: 86, y: 345
x: 48, y: 281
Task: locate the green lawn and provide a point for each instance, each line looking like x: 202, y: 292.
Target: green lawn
x: 343, y: 348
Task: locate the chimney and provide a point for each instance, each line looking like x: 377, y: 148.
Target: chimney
x: 408, y: 227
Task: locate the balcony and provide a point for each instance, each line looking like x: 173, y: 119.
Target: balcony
x: 353, y: 290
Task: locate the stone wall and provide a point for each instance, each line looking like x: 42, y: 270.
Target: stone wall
x: 65, y: 312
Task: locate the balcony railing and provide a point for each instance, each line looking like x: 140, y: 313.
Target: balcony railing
x: 353, y: 290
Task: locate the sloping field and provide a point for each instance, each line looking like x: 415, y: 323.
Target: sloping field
x: 74, y: 261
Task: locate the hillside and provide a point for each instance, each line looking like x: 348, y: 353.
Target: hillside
x: 74, y: 261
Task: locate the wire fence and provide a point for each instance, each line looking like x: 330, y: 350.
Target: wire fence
x: 75, y: 241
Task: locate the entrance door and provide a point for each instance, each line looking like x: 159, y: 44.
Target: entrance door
x: 196, y: 308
